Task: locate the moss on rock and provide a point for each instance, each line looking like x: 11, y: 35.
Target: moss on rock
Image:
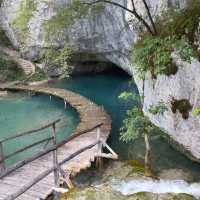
x: 182, y: 105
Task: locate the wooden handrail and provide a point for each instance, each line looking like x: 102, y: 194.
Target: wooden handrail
x: 42, y: 153
x: 47, y: 172
x: 30, y: 132
x: 79, y: 134
x: 24, y: 149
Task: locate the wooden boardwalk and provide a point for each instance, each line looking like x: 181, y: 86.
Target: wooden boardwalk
x: 90, y: 115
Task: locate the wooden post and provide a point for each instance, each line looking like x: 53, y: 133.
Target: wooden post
x: 99, y: 149
x: 55, y: 158
x: 2, y: 164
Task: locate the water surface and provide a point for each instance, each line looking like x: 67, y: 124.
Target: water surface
x: 104, y: 89
x: 19, y: 113
x: 24, y: 113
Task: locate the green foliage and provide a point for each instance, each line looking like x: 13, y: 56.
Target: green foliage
x: 136, y: 123
x: 196, y: 111
x: 67, y: 16
x: 23, y: 16
x: 39, y: 75
x: 59, y: 58
x: 185, y: 50
x: 182, y: 22
x: 129, y: 95
x: 159, y: 108
x: 9, y: 70
x: 176, y: 32
x: 154, y: 54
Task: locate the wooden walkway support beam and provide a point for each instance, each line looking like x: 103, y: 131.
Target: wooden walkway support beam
x: 55, y: 158
x: 2, y: 164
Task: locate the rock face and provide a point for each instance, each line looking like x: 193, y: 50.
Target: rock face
x: 184, y: 85
x: 106, y: 37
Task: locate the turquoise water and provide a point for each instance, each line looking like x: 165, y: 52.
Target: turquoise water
x: 22, y: 112
x: 104, y: 90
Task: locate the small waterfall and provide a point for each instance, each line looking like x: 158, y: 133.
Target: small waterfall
x: 161, y: 186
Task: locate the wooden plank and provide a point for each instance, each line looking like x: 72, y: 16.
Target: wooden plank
x: 46, y: 173
x: 42, y: 153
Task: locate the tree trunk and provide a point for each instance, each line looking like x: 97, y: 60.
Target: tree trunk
x: 147, y: 153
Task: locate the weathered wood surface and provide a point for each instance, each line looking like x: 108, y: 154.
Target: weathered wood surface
x: 90, y: 115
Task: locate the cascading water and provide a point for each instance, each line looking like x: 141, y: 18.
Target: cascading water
x: 153, y: 186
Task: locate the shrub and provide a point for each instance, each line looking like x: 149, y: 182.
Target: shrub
x: 9, y: 70
x: 154, y: 54
x: 158, y: 108
x: 39, y: 75
x: 58, y: 58
x: 176, y: 32
x: 182, y: 22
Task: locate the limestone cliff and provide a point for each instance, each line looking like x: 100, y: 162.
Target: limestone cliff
x: 106, y: 36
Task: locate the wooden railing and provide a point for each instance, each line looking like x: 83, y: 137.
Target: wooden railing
x: 3, y: 157
x: 56, y: 165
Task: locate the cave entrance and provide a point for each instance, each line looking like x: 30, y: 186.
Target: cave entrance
x: 93, y: 64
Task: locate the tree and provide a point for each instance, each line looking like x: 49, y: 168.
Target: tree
x: 138, y: 125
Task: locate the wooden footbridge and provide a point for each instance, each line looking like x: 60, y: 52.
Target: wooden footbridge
x: 36, y: 176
